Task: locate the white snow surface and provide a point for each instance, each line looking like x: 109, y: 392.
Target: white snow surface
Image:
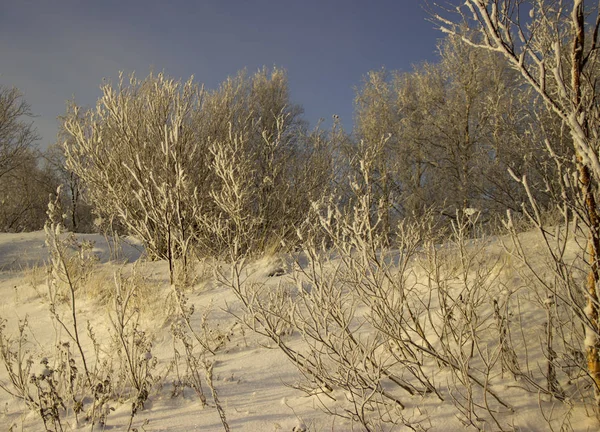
x: 252, y: 378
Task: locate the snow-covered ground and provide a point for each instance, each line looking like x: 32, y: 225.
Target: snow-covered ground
x: 250, y: 378
x: 253, y: 379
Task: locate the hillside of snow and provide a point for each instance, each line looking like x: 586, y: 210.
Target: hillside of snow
x: 253, y: 379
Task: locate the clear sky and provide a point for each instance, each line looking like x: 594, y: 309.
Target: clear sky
x: 54, y: 50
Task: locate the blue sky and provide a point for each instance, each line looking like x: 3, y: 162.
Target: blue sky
x: 56, y: 50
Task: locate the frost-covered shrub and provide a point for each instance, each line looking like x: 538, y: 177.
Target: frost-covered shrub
x: 162, y: 156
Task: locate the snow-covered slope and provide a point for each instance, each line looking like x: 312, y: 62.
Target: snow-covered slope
x: 252, y: 377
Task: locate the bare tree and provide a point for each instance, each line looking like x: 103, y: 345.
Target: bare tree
x: 554, y: 46
x: 23, y: 190
x: 184, y: 168
x: 453, y: 125
x: 24, y: 195
x: 17, y: 135
x: 134, y: 153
